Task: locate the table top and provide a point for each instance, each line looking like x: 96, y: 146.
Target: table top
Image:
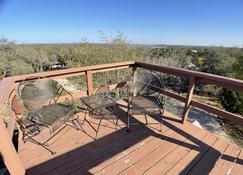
x: 98, y: 101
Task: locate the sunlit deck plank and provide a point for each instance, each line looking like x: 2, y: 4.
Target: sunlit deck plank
x: 169, y: 161
x: 195, y: 154
x: 151, y: 159
x: 207, y: 162
x: 226, y: 162
x: 238, y: 166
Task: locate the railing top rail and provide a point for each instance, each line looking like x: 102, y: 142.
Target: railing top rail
x: 227, y: 82
x: 206, y: 77
x: 71, y: 71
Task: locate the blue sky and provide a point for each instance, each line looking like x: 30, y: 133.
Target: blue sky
x: 193, y: 22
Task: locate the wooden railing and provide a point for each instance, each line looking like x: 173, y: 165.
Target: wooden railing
x: 7, y: 150
x: 194, y: 76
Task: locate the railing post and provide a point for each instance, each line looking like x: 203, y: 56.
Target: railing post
x: 134, y: 70
x: 117, y: 81
x: 89, y: 80
x: 8, y: 152
x: 134, y: 73
x: 188, y: 99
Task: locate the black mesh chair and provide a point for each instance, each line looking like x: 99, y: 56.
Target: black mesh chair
x: 145, y: 96
x: 46, y: 106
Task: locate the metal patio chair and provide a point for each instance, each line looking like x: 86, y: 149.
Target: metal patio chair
x: 145, y: 96
x: 46, y: 105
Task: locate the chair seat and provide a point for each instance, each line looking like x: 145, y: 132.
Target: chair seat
x: 53, y: 115
x: 146, y: 104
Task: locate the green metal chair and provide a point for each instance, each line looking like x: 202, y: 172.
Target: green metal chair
x: 47, y: 105
x: 145, y: 96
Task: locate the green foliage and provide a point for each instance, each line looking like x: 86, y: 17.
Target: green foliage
x: 19, y: 67
x: 21, y: 59
x: 232, y: 101
x: 170, y: 56
x: 238, y: 68
x: 213, y: 60
x: 113, y: 49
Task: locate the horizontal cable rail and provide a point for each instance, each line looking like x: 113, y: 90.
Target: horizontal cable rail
x: 206, y: 77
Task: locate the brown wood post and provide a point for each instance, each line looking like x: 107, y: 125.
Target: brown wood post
x: 188, y: 99
x: 117, y: 81
x: 134, y: 70
x: 89, y: 80
x: 134, y: 73
x: 8, y: 152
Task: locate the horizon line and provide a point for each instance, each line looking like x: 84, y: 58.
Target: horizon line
x: 138, y: 44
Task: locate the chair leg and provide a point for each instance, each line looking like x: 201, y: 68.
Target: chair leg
x: 85, y: 114
x: 146, y: 119
x: 55, y: 134
x: 43, y: 145
x: 85, y: 119
x: 80, y: 126
x: 97, y: 130
x: 161, y: 121
x: 75, y: 125
x: 128, y: 121
x: 112, y: 121
x: 115, y: 123
x: 116, y: 120
x: 24, y: 137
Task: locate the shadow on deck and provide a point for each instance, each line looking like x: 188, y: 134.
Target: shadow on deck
x: 179, y: 149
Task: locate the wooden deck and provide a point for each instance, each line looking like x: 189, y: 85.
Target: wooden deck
x: 179, y: 149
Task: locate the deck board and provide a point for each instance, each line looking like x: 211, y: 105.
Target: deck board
x: 238, y: 166
x: 178, y: 149
x: 195, y: 154
x: 149, y: 160
x: 148, y: 141
x: 225, y: 164
x: 134, y: 156
x: 210, y: 158
x: 168, y: 162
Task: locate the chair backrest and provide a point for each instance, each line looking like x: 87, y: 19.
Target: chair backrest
x: 112, y: 90
x: 16, y: 106
x: 102, y: 89
x: 145, y: 84
x: 36, y: 92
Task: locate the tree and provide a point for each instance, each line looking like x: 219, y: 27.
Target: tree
x: 238, y: 68
x: 37, y: 58
x: 233, y: 101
